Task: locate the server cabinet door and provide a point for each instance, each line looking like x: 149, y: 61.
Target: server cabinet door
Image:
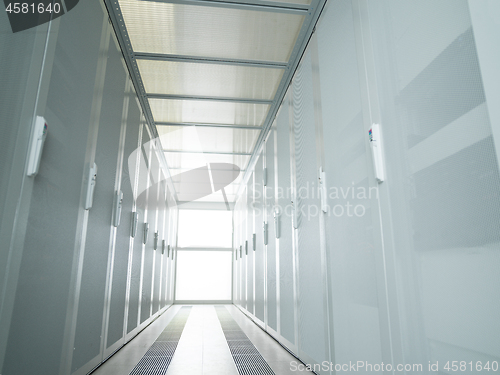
x: 311, y: 280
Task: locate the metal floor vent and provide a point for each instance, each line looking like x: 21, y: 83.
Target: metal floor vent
x: 159, y: 355
x: 247, y: 358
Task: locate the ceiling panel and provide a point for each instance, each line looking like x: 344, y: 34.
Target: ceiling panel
x: 198, y: 79
x: 208, y: 111
x: 214, y: 32
x: 207, y: 139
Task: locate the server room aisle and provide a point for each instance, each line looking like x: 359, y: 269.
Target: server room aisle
x: 202, y: 347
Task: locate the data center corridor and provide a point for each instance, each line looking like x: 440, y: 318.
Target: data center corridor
x: 250, y: 187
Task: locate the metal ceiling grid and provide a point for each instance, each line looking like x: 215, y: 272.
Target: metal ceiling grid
x: 309, y: 11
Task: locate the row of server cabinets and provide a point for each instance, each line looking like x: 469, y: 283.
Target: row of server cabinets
x: 82, y: 278
x: 344, y: 263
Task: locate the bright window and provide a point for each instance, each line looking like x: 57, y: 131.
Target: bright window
x: 203, y: 275
x: 205, y: 229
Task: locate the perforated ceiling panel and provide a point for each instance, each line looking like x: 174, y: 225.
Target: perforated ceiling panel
x: 192, y: 30
x: 199, y: 79
x: 208, y: 111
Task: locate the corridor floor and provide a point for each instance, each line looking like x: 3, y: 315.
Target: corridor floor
x: 202, y: 348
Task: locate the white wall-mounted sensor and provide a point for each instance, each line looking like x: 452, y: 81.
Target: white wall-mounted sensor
x: 91, y: 181
x: 36, y: 147
x: 376, y: 146
x: 117, y: 208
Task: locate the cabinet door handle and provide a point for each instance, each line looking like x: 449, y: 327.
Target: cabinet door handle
x: 146, y: 230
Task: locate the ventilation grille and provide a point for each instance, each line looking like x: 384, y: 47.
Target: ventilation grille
x: 159, y: 355
x: 247, y: 358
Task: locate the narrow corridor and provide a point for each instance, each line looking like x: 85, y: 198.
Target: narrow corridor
x: 202, y: 348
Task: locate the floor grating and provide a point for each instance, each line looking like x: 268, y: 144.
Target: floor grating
x: 246, y: 357
x: 159, y: 355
